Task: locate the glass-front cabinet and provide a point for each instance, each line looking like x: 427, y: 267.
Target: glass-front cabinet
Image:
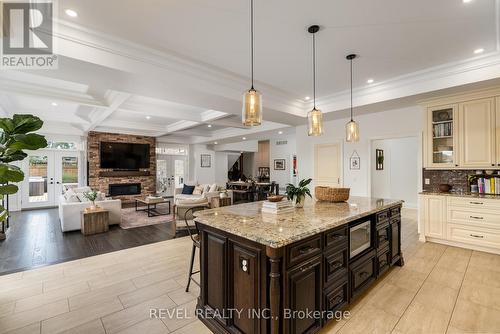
x: 442, y: 144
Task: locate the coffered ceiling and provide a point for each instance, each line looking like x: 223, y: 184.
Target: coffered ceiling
x: 176, y: 69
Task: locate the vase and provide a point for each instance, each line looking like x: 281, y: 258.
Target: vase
x: 299, y: 203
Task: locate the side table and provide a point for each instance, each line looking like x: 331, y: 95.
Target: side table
x: 94, y: 221
x: 217, y: 202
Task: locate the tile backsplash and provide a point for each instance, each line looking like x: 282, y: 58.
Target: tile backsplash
x: 456, y: 178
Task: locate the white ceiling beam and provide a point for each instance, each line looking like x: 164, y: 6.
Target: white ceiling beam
x: 114, y: 101
x: 20, y: 88
x: 178, y: 126
x: 229, y: 123
x: 118, y: 124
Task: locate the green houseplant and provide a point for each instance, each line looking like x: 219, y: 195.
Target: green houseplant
x: 298, y: 193
x: 15, y: 136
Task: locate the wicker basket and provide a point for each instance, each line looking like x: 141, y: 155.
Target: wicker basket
x: 330, y: 194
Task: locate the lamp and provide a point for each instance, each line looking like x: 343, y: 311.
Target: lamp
x: 351, y: 128
x: 315, y: 116
x: 251, y: 113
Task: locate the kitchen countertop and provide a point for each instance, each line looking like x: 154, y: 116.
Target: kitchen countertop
x: 247, y: 220
x: 460, y: 194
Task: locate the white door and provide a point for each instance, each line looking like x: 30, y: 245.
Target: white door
x: 45, y: 174
x: 171, y: 171
x: 327, y: 165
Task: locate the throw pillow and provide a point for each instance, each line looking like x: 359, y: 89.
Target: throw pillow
x: 82, y: 197
x: 82, y: 190
x: 187, y: 190
x: 213, y: 188
x: 206, y: 188
x: 69, y: 193
x: 198, y: 190
x: 72, y: 199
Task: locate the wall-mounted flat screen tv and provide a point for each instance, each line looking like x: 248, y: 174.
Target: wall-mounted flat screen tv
x: 124, y: 156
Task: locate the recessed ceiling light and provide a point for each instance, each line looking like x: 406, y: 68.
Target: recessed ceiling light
x: 54, y: 104
x: 307, y: 98
x: 244, y: 138
x: 478, y: 51
x: 148, y: 117
x: 215, y: 143
x: 466, y: 1
x: 280, y: 132
x: 71, y: 13
x: 369, y: 81
x: 209, y: 125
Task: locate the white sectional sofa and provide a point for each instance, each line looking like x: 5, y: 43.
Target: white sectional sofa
x: 72, y: 204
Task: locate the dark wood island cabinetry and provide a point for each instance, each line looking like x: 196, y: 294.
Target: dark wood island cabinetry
x: 263, y: 273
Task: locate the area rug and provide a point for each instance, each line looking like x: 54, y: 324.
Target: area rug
x: 133, y: 219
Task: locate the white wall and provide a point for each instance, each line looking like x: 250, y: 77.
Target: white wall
x: 282, y: 177
x: 388, y: 124
x: 197, y: 173
x: 399, y: 178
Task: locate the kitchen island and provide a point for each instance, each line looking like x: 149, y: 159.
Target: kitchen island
x: 258, y: 269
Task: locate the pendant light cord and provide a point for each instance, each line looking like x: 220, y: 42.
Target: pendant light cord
x: 251, y: 37
x: 314, y: 70
x: 351, y: 91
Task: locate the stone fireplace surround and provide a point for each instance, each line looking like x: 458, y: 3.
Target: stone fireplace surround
x: 101, y: 178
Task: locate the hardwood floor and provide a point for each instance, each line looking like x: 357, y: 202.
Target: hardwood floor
x: 35, y: 239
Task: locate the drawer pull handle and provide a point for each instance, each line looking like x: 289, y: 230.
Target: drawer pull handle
x: 336, y: 300
x: 476, y: 217
x: 307, y: 267
x: 364, y: 274
x: 477, y: 203
x: 336, y: 264
x: 305, y: 250
x: 477, y: 236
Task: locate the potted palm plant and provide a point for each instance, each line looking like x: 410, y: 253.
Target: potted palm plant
x: 298, y: 194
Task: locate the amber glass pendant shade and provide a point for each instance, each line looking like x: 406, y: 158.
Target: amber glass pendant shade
x: 352, y: 132
x: 252, y: 108
x: 315, y: 122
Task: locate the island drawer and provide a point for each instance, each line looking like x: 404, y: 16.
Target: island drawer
x: 362, y: 272
x: 303, y: 250
x: 383, y: 235
x: 337, y: 296
x: 383, y: 217
x: 395, y: 211
x: 335, y: 264
x: 383, y: 261
x: 336, y: 238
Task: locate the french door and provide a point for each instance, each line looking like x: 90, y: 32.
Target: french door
x: 171, y: 171
x: 45, y: 174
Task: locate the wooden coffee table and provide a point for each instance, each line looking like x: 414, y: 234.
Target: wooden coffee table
x: 151, y: 204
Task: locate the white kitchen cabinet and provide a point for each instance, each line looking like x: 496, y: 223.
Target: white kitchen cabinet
x: 442, y: 143
x: 434, y: 216
x: 477, y: 134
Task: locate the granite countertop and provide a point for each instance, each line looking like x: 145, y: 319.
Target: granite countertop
x: 460, y: 194
x: 247, y: 220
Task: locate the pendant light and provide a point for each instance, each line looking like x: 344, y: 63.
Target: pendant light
x: 252, y: 99
x: 314, y: 117
x: 351, y: 128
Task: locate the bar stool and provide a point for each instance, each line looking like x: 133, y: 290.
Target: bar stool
x: 195, y: 237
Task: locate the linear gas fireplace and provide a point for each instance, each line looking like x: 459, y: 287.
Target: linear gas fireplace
x: 124, y: 189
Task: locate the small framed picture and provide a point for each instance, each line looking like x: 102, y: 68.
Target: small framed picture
x: 355, y: 163
x: 206, y: 161
x: 379, y: 159
x: 279, y: 164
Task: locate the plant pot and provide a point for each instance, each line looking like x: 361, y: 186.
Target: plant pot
x: 299, y: 202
